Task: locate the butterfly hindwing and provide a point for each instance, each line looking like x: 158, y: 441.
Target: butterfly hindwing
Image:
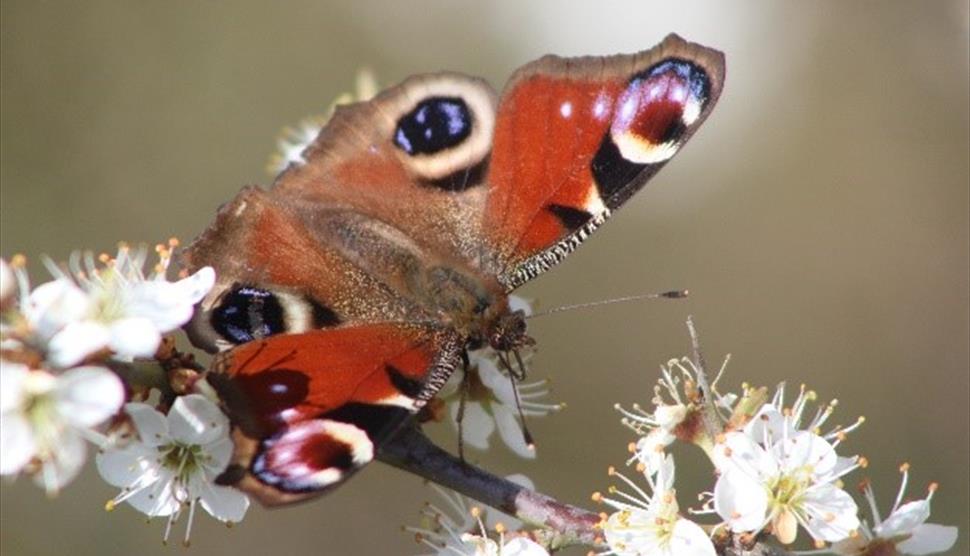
x: 576, y: 137
x: 311, y: 409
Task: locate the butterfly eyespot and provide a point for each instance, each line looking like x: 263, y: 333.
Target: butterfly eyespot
x: 657, y: 107
x: 435, y: 124
x: 246, y: 313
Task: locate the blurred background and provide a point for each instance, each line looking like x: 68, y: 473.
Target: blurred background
x: 819, y: 218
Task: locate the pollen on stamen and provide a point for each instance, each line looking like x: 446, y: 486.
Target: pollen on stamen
x: 475, y: 512
x: 597, y: 497
x: 18, y: 261
x: 631, y: 447
x: 611, y: 471
x: 819, y: 544
x: 109, y: 506
x: 641, y: 467
x: 500, y: 528
x: 863, y: 485
x: 863, y: 462
x: 932, y: 487
x: 904, y: 467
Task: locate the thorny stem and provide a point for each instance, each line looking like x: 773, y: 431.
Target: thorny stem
x: 712, y: 423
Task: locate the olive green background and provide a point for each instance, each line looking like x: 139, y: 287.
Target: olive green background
x: 819, y: 218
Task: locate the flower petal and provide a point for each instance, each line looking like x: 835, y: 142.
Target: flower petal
x: 194, y: 419
x: 87, y: 396
x: 17, y: 444
x: 134, y: 337
x: 76, y: 341
x: 904, y: 520
x: 510, y: 429
x: 477, y: 424
x: 65, y: 462
x: 690, y: 540
x: 832, y: 513
x: 151, y: 425
x: 806, y: 450
x: 53, y: 305
x: 224, y: 503
x: 12, y: 378
x: 929, y: 538
x: 129, y: 466
x: 520, y: 546
x: 157, y: 499
x: 741, y: 501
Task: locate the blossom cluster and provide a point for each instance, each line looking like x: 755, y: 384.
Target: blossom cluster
x: 69, y: 347
x: 777, y: 472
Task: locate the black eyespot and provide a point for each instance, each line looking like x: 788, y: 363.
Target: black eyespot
x: 435, y: 124
x: 246, y: 314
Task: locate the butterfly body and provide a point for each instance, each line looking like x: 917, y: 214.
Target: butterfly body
x: 350, y: 291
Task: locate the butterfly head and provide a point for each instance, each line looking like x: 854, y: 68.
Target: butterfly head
x: 507, y: 332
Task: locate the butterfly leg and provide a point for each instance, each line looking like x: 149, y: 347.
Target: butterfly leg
x: 464, y: 389
x: 516, y: 376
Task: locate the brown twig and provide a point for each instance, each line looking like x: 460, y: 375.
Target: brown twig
x: 562, y: 525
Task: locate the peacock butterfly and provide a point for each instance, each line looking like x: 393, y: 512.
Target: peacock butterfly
x: 350, y: 291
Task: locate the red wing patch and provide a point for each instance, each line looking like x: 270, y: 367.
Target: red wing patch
x: 575, y: 138
x: 310, y: 409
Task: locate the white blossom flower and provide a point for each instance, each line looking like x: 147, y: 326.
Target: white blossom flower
x: 44, y: 419
x: 173, y: 464
x: 468, y: 535
x: 491, y: 405
x: 773, y: 473
x: 677, y: 413
x: 649, y: 523
x: 905, y: 531
x: 113, y: 306
x: 294, y: 140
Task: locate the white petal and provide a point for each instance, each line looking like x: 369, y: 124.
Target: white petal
x: 151, y: 425
x: 669, y: 416
x: 768, y: 421
x: 134, y: 337
x: 87, y: 396
x: 690, y: 540
x: 17, y: 444
x: 156, y: 500
x: 194, y: 419
x: 665, y: 476
x: 132, y: 465
x: 523, y: 547
x: 169, y: 304
x: 741, y: 501
x: 904, y: 520
x: 66, y: 462
x: 738, y: 451
x: 477, y: 424
x: 832, y: 514
x: 53, y: 305
x: 929, y: 538
x: 12, y: 377
x: 510, y: 430
x: 77, y: 341
x: 632, y: 534
x: 224, y: 503
x: 8, y: 282
x: 806, y: 449
x: 219, y: 452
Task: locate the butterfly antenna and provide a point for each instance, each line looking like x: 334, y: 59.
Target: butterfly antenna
x: 673, y: 294
x: 513, y: 377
